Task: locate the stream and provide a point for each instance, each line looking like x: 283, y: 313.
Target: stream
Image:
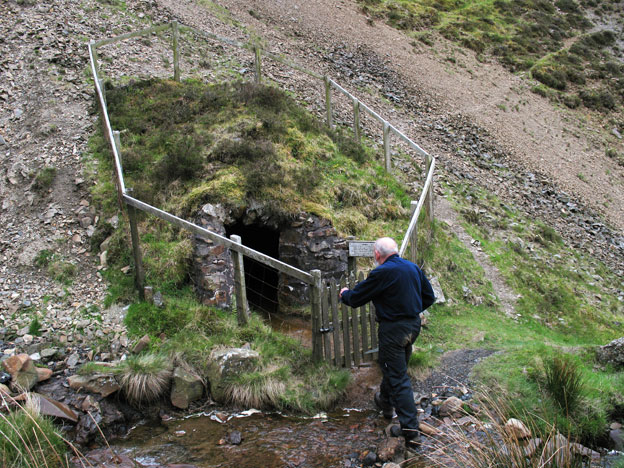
x: 338, y: 439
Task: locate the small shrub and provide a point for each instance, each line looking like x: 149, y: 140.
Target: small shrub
x: 62, y: 271
x: 44, y: 179
x: 615, y: 155
x: 597, y: 99
x: 550, y: 76
x: 43, y: 258
x: 34, y: 327
x: 145, y: 378
x: 571, y: 100
x: 183, y: 160
x: 564, y: 382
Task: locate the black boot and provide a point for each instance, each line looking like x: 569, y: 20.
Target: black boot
x: 385, y: 407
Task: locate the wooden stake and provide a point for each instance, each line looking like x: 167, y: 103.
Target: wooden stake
x: 258, y: 53
x: 176, y: 51
x: 386, y: 144
x: 356, y: 119
x: 328, y: 105
x: 139, y: 275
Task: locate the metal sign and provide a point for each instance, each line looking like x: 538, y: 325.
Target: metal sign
x: 361, y: 249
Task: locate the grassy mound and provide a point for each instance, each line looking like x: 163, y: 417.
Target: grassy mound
x: 187, y: 144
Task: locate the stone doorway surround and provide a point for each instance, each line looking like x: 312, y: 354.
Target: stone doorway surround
x: 307, y: 242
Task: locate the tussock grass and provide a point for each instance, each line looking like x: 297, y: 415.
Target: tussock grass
x: 145, y: 378
x: 495, y: 446
x: 564, y: 382
x: 28, y: 440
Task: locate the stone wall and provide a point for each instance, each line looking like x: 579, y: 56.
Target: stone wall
x: 308, y: 243
x: 212, y: 264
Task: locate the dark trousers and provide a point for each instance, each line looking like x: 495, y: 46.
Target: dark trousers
x: 395, y: 349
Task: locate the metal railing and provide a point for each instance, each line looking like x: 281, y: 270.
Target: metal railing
x: 238, y: 249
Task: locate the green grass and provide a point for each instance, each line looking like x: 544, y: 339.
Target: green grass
x: 28, y: 440
x: 564, y: 312
x: 286, y: 377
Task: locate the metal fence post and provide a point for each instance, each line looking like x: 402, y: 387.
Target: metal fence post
x: 258, y: 54
x: 176, y: 50
x: 139, y: 274
x: 316, y: 291
x: 328, y: 106
x: 386, y: 145
x: 242, y: 307
x: 356, y: 119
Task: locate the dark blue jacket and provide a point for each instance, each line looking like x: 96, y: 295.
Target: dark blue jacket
x: 398, y: 288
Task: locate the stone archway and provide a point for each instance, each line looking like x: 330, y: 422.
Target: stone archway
x: 308, y: 243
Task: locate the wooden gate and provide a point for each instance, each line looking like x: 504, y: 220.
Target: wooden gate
x: 343, y: 335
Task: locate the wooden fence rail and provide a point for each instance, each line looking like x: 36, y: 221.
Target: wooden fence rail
x: 341, y: 335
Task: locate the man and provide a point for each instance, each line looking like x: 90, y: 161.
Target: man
x: 400, y: 292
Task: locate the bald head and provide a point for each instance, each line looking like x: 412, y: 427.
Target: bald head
x: 384, y: 247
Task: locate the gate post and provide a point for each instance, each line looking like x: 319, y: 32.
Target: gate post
x: 316, y: 292
x: 242, y: 307
x: 386, y: 145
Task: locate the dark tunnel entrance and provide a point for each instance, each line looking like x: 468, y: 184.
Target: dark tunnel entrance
x: 261, y: 280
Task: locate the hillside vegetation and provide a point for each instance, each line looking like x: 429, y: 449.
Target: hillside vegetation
x: 576, y: 60
x: 191, y: 143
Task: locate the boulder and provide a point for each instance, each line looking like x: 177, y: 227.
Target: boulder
x: 225, y: 365
x: 516, y: 429
x: 43, y: 374
x: 187, y: 387
x: 104, y: 384
x: 15, y: 363
x: 23, y: 372
x: 49, y: 407
x: 389, y: 449
x: 618, y: 440
x: 612, y: 353
x: 451, y: 407
x: 141, y: 344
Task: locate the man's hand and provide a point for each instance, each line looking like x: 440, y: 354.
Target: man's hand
x: 341, y: 291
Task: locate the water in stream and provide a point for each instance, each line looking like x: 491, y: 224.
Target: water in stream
x: 268, y: 440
